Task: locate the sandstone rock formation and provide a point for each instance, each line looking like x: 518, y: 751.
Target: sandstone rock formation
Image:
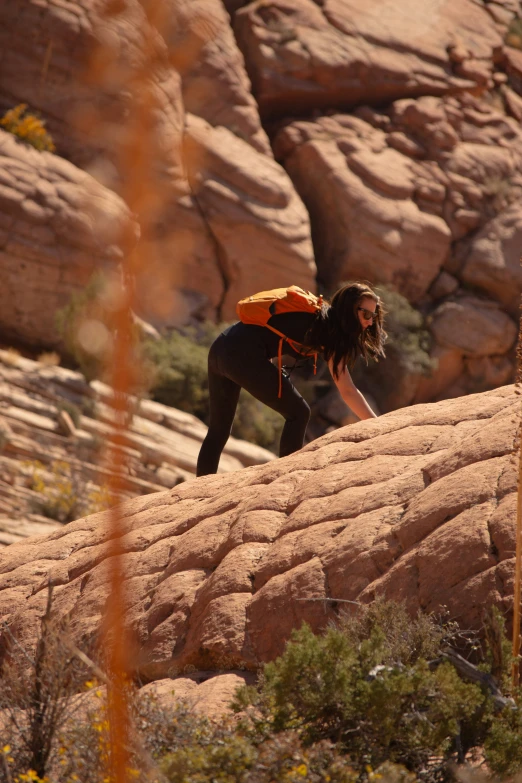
x: 418, y: 506
x: 208, y: 693
x: 215, y: 83
x: 53, y: 425
x: 302, y: 55
x: 235, y: 187
x: 56, y: 226
x: 404, y: 184
x: 192, y: 270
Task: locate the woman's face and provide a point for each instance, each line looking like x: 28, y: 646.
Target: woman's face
x: 366, y: 309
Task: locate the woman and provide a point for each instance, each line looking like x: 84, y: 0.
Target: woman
x: 349, y: 326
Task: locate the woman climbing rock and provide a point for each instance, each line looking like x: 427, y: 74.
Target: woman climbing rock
x: 296, y: 323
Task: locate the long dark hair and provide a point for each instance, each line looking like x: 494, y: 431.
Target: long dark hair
x: 337, y: 332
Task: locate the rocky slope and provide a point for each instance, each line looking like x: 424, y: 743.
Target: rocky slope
x: 53, y: 427
x: 417, y: 505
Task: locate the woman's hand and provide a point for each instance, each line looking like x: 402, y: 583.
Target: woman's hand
x: 351, y: 394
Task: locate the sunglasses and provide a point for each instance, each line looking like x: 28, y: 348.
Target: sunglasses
x: 368, y: 315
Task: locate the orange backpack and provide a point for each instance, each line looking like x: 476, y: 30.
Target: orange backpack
x: 259, y: 308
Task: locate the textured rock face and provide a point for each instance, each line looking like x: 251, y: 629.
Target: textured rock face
x: 215, y: 84
x: 417, y: 506
x: 37, y: 433
x: 235, y: 187
x: 46, y: 50
x: 405, y: 186
x: 492, y: 263
x: 199, y: 273
x: 303, y: 55
x: 205, y: 692
x: 56, y: 227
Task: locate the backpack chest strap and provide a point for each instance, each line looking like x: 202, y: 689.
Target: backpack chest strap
x: 292, y: 344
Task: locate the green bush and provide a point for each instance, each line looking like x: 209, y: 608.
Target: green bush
x: 376, y: 686
x: 82, y: 306
x: 367, y: 701
x: 408, y: 338
x: 503, y: 744
x: 225, y: 754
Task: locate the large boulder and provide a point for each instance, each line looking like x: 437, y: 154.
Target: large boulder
x: 197, y: 67
x: 417, y: 506
x: 257, y: 221
x: 215, y: 84
x: 492, y: 263
x: 302, y: 55
x: 399, y: 195
x: 57, y: 225
x: 476, y: 327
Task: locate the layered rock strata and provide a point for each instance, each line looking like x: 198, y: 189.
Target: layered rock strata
x: 53, y: 427
x: 416, y: 506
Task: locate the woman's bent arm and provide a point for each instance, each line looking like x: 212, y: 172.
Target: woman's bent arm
x: 351, y: 394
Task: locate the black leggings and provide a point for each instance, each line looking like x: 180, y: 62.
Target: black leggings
x: 233, y: 364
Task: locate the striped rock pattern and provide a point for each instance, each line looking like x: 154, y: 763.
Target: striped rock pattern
x: 54, y: 424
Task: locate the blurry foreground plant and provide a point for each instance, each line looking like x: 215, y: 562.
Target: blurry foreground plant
x: 27, y: 127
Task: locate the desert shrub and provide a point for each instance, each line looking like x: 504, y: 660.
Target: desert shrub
x: 377, y: 687
x: 408, y: 638
x: 364, y: 702
x: 37, y: 693
x: 83, y: 307
x: 408, y: 337
x: 503, y: 744
x: 58, y: 488
x: 63, y: 494
x: 178, y: 372
x: 235, y: 759
x: 28, y: 127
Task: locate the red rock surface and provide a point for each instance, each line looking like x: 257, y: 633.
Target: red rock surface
x: 200, y: 260
x: 303, y: 55
x: 38, y: 434
x: 56, y: 225
x: 402, y: 194
x: 417, y: 506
